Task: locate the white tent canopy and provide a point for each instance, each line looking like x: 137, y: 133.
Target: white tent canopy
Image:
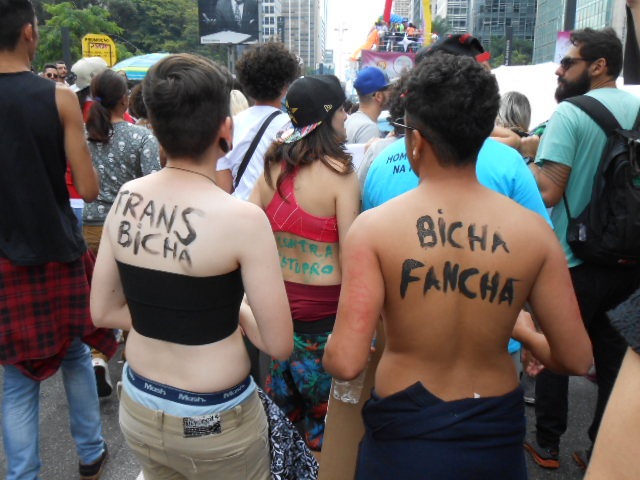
x: 538, y: 83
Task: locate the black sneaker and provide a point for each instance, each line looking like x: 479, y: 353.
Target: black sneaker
x: 545, y: 457
x: 93, y: 470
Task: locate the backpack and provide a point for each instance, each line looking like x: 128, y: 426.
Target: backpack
x: 607, y: 232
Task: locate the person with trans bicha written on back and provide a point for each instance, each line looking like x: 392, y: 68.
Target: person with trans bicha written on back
x: 167, y: 271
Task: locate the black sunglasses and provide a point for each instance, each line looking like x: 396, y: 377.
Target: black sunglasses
x: 52, y: 75
x: 402, y: 128
x: 567, y: 62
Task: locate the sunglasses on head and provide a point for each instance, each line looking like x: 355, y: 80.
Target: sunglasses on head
x: 567, y: 62
x: 52, y: 75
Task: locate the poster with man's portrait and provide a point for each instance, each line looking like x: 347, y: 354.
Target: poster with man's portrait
x: 224, y: 18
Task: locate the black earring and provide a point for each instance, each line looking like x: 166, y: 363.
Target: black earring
x: 224, y: 146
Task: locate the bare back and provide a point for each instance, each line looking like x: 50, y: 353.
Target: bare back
x: 449, y: 266
x: 457, y: 271
x: 177, y: 222
x: 323, y: 193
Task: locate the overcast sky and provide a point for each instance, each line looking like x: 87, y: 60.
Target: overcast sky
x: 357, y: 17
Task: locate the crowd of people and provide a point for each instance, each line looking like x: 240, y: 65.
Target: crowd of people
x: 223, y: 225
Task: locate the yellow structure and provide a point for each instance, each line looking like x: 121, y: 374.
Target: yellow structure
x: 99, y: 45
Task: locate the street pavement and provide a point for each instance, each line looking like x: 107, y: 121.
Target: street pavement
x: 59, y: 460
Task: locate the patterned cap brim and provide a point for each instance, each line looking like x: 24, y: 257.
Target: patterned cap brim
x: 292, y: 134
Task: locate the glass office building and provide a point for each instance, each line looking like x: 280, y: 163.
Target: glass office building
x: 491, y: 18
x: 305, y: 30
x: 589, y: 13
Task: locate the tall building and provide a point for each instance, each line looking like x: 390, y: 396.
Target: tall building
x: 402, y: 8
x: 271, y: 9
x: 305, y: 30
x: 439, y: 8
x: 552, y: 16
x: 549, y: 21
x: 491, y: 18
x: 459, y: 15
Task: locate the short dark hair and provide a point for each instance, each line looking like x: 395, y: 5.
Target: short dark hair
x: 187, y: 100
x: 137, y: 108
x: 454, y: 101
x: 264, y: 71
x: 321, y: 144
x: 49, y: 65
x: 595, y: 44
x: 396, y: 99
x: 107, y: 89
x: 14, y: 14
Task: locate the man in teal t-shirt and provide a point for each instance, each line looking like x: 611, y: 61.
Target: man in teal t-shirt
x: 565, y: 164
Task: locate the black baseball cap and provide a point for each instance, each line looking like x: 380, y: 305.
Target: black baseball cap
x: 459, y: 44
x: 311, y: 100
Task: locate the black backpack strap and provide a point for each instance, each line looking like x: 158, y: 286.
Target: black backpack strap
x: 601, y: 115
x: 597, y: 111
x: 253, y: 146
x: 566, y: 206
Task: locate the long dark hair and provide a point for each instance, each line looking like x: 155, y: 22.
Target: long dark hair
x: 321, y: 144
x: 107, y: 90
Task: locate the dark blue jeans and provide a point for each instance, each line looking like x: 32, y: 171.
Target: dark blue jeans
x: 598, y: 290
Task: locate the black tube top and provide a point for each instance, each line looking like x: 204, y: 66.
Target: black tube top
x: 180, y: 308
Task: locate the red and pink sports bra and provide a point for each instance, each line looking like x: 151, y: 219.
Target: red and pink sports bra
x: 285, y: 215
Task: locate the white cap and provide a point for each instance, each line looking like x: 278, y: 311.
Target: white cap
x: 85, y: 69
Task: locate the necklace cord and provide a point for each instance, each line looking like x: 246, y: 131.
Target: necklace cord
x: 194, y: 172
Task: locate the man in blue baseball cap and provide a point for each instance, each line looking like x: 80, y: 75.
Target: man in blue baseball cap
x: 372, y: 85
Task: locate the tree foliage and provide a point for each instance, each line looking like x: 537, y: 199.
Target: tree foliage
x: 136, y: 26
x: 440, y: 26
x: 521, y: 51
x: 79, y: 22
x: 163, y: 26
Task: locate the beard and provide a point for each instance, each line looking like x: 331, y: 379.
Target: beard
x: 568, y: 89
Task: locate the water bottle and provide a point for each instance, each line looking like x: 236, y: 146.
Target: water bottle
x: 349, y: 391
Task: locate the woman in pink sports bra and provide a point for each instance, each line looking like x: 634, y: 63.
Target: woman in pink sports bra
x: 311, y: 196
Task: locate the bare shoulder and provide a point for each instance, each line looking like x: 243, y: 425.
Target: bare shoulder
x: 134, y: 182
x: 65, y: 95
x: 338, y: 177
x: 340, y: 166
x: 245, y: 215
x: 369, y: 226
x: 525, y: 230
x: 66, y: 101
x: 525, y: 218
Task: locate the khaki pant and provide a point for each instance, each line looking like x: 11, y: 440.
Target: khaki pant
x: 239, y: 452
x: 92, y: 235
